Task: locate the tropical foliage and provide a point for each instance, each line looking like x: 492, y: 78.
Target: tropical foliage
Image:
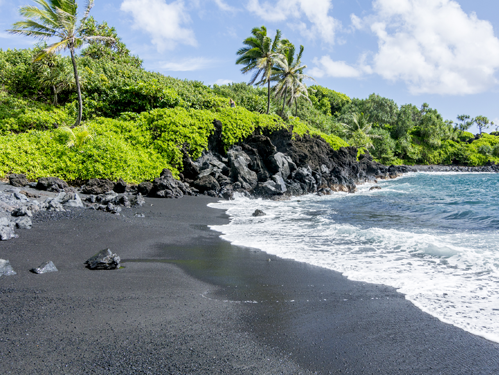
x: 58, y: 18
x: 137, y: 122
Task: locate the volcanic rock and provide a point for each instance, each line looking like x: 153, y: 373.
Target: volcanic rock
x: 45, y: 267
x: 103, y: 260
x: 98, y: 186
x: 6, y: 269
x: 51, y: 184
x: 206, y: 183
x: 18, y: 180
x: 120, y: 186
x: 258, y: 213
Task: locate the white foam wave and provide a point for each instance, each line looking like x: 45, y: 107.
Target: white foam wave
x: 453, y: 277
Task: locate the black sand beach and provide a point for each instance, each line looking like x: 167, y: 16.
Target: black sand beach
x: 188, y: 302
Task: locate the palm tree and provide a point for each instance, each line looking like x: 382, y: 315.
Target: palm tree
x: 259, y: 55
x: 358, y: 128
x: 300, y: 91
x: 288, y: 72
x: 58, y: 18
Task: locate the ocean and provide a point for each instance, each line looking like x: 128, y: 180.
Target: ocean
x: 432, y: 236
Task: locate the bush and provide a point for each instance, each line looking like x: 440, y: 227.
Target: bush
x: 484, y: 149
x: 300, y: 128
x: 466, y: 136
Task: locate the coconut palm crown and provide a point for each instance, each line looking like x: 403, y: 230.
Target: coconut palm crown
x: 259, y: 55
x: 288, y: 73
x: 58, y: 18
x: 358, y: 129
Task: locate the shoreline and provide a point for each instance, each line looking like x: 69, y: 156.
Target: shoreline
x: 184, y: 303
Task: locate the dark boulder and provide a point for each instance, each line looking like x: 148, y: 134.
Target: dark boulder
x: 98, y: 186
x: 145, y: 188
x: 18, y: 180
x: 240, y: 172
x: 215, y: 141
x: 206, y: 183
x: 51, y: 184
x: 191, y: 170
x: 103, y: 260
x: 258, y: 213
x: 120, y: 186
x: 375, y: 188
x: 45, y: 267
x: 166, y: 186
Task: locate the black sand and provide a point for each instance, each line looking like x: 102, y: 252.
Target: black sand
x: 185, y: 303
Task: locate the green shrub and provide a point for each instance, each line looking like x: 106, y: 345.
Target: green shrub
x: 484, y: 149
x: 108, y: 154
x: 466, y: 136
x: 300, y: 128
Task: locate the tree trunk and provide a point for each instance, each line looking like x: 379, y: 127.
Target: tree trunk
x: 55, y: 96
x: 78, y: 90
x: 268, y: 98
x: 296, y: 107
x: 284, y: 102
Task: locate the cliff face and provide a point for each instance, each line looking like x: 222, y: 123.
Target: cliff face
x: 276, y: 166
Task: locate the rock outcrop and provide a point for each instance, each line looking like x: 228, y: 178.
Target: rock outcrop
x: 277, y: 166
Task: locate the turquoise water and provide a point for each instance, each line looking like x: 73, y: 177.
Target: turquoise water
x: 432, y: 236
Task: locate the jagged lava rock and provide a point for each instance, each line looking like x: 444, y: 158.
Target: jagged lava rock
x: 45, y: 267
x: 206, y: 183
x: 103, y: 260
x: 51, y: 184
x: 120, y: 186
x: 98, y: 186
x: 18, y: 180
x: 258, y: 213
x: 6, y: 269
x: 6, y: 229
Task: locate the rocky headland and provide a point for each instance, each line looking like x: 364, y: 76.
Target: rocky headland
x: 270, y: 166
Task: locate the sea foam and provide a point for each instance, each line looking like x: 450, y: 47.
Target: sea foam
x: 424, y: 234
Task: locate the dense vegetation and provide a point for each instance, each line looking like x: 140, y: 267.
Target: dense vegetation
x: 136, y: 122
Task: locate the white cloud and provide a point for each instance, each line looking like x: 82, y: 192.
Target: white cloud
x: 163, y: 21
x: 338, y: 69
x: 222, y: 5
x: 222, y: 81
x: 188, y: 65
x: 433, y: 46
x: 316, y: 11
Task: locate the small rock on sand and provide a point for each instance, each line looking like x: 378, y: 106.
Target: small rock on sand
x: 103, y: 260
x: 6, y: 269
x: 45, y: 267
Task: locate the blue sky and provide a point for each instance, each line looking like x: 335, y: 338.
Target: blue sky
x: 443, y: 52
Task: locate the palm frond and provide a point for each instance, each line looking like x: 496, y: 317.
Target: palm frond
x: 88, y: 8
x: 277, y: 39
x: 53, y: 48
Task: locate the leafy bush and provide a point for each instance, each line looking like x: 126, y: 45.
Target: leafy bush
x: 466, y: 136
x: 484, y: 149
x: 106, y: 155
x: 300, y: 128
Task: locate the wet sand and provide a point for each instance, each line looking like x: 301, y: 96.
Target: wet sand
x: 188, y: 302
